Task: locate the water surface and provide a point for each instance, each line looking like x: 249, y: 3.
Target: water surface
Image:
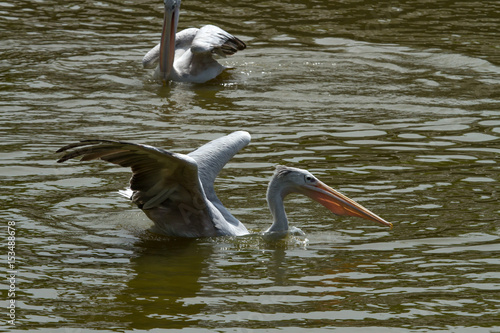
x: 396, y: 104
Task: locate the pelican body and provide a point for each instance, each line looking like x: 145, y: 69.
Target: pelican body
x: 176, y: 191
x: 187, y: 56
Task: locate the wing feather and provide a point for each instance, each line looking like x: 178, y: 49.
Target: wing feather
x: 183, y: 40
x: 152, y: 58
x: 164, y: 184
x: 211, y: 158
x: 212, y: 39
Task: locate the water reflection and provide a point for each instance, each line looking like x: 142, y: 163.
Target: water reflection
x: 394, y: 103
x: 166, y: 272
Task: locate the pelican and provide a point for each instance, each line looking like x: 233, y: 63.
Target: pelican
x: 187, y: 56
x: 176, y: 191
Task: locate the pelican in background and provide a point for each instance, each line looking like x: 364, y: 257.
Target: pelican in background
x: 187, y: 56
x: 176, y: 191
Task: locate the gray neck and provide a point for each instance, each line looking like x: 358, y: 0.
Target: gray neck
x: 275, y: 196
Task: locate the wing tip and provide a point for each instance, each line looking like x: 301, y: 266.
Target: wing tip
x: 243, y: 135
x: 70, y: 154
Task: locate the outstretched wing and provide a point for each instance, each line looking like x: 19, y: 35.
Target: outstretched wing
x: 164, y: 184
x: 211, y: 158
x: 214, y: 155
x: 212, y: 39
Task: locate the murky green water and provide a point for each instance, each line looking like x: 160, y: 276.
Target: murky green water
x: 395, y: 103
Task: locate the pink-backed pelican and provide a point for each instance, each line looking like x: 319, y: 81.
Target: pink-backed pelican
x: 176, y: 191
x: 187, y: 56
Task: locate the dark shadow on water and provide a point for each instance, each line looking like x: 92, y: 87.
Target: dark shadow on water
x: 168, y: 276
x: 165, y: 271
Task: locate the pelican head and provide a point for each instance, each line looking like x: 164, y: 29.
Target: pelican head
x: 167, y: 47
x: 288, y: 180
x: 172, y: 3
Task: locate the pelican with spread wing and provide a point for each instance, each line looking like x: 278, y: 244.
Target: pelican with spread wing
x: 176, y: 191
x: 187, y: 56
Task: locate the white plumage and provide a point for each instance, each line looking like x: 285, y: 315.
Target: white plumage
x: 187, y: 56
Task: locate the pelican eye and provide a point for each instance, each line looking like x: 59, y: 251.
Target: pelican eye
x: 309, y: 179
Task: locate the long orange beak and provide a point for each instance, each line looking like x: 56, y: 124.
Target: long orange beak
x: 339, y: 204
x: 167, y: 47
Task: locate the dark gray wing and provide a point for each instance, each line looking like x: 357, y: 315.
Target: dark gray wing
x: 164, y: 184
